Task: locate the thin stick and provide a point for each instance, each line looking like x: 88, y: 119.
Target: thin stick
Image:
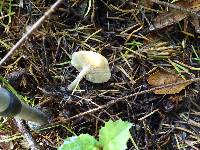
x: 29, y: 138
x: 116, y: 100
x: 144, y: 117
x: 28, y: 33
x: 182, y: 9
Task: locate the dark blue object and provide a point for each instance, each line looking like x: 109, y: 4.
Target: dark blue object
x: 14, y: 104
x: 11, y: 106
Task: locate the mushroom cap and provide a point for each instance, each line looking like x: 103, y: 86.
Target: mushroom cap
x: 99, y: 72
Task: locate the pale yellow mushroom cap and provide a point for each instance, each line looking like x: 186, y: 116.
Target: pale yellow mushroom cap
x: 99, y: 72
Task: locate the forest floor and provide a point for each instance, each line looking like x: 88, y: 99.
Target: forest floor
x: 147, y: 44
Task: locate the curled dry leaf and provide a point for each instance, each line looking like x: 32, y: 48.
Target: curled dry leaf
x: 174, y: 16
x: 167, y: 19
x: 163, y: 77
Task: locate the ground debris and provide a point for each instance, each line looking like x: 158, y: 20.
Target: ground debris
x: 40, y: 70
x: 173, y: 16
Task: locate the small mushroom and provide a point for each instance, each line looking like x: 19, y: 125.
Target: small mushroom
x: 91, y: 65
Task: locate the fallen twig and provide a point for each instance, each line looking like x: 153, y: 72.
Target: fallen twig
x: 116, y: 100
x: 29, y: 32
x: 184, y: 10
x: 32, y: 143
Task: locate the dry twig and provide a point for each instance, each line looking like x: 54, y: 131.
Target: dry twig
x: 184, y: 10
x: 116, y: 100
x: 29, y: 32
x: 32, y: 143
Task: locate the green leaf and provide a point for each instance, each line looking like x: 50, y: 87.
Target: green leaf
x: 114, y: 135
x: 81, y: 142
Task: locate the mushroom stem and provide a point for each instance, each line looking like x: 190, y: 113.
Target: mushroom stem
x: 80, y: 76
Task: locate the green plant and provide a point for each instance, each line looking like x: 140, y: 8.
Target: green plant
x: 6, y: 10
x: 196, y: 56
x: 113, y: 136
x: 25, y: 99
x: 134, y: 44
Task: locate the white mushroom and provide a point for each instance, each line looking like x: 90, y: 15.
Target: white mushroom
x: 91, y: 65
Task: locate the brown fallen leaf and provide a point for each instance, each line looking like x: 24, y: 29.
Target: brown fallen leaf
x: 163, y: 77
x: 174, y: 16
x: 146, y: 3
x: 167, y: 19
